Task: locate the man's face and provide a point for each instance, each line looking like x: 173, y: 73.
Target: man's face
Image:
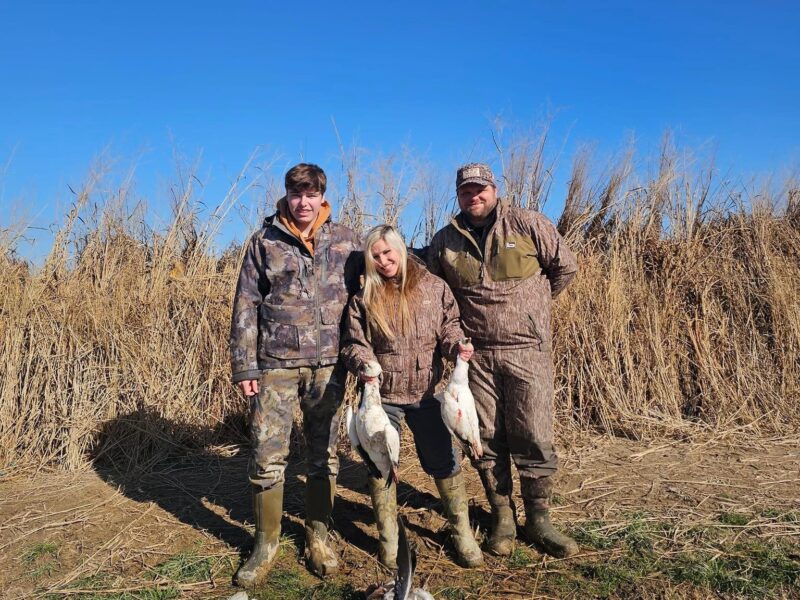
x: 477, y: 201
x: 304, y: 207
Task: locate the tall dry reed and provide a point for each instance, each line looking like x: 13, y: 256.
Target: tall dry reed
x: 685, y: 317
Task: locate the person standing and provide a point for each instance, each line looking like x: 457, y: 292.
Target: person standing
x: 505, y: 265
x: 297, y: 275
x: 406, y: 320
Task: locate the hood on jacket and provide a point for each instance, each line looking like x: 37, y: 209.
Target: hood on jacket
x: 284, y: 217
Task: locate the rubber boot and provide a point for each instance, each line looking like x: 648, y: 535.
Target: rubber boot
x: 539, y: 531
x: 454, y: 499
x: 504, y: 526
x: 268, y: 509
x: 320, y: 555
x: 384, y: 505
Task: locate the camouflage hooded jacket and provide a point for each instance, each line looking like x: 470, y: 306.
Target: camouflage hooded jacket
x: 505, y: 285
x: 288, y: 305
x: 411, y: 363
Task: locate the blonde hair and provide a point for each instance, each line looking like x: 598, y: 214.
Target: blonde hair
x: 387, y: 304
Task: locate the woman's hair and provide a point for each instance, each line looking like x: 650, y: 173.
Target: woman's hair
x: 387, y: 302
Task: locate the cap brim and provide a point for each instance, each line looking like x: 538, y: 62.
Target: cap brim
x: 478, y: 180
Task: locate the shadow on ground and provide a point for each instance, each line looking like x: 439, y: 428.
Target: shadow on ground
x: 153, y: 459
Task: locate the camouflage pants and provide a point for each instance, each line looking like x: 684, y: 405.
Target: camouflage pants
x: 320, y: 392
x: 513, y: 392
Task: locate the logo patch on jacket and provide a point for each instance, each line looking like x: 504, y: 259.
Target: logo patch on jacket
x: 511, y: 244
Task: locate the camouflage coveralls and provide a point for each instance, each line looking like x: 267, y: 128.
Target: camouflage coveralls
x: 504, y: 284
x: 285, y: 332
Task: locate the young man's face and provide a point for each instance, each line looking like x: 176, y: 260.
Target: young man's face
x: 304, y: 207
x: 477, y: 201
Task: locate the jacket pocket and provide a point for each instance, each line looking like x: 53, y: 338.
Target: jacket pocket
x: 514, y: 258
x: 279, y: 329
x: 423, y: 373
x: 394, y: 374
x: 329, y: 333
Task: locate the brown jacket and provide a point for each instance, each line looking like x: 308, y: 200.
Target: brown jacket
x: 288, y: 306
x: 504, y: 286
x: 412, y: 364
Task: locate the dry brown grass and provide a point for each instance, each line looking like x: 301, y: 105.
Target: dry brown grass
x: 685, y: 316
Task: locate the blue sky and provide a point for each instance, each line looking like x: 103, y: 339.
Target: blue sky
x: 221, y: 79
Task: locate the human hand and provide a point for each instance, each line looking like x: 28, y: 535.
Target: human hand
x: 249, y: 387
x: 465, y: 351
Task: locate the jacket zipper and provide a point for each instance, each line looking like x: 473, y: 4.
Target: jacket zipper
x: 315, y: 277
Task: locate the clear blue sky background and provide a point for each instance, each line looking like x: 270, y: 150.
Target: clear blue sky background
x: 224, y: 78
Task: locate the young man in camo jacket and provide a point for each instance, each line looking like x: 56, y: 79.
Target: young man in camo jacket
x: 297, y: 275
x: 505, y: 266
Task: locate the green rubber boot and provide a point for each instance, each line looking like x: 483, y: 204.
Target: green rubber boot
x: 539, y: 531
x: 504, y: 525
x: 384, y: 505
x: 320, y: 555
x: 456, y: 508
x: 268, y: 509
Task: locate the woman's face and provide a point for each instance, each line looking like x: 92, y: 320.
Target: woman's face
x: 387, y: 259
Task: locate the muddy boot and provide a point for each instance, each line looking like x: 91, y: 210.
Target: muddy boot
x: 538, y: 529
x: 320, y: 555
x: 384, y: 505
x: 504, y: 526
x: 456, y: 508
x: 268, y: 509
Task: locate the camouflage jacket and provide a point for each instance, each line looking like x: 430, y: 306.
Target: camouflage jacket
x: 288, y: 305
x: 412, y: 364
x: 505, y: 285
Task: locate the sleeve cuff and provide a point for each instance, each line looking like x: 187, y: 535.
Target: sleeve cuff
x: 246, y: 375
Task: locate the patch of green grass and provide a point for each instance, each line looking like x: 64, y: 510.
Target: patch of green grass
x: 290, y: 583
x: 792, y: 516
x: 605, y: 578
x: 41, y: 559
x: 519, y: 558
x: 751, y: 569
x: 161, y: 593
x: 185, y: 567
x: 637, y: 535
x: 733, y: 518
x: 451, y: 593
x: 40, y: 550
x: 591, y: 535
x: 283, y: 582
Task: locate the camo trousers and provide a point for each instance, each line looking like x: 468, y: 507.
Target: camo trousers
x: 513, y: 391
x: 320, y: 392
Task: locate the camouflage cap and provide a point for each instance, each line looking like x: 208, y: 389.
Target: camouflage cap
x: 475, y: 173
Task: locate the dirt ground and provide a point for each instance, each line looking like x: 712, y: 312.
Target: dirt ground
x: 719, y: 518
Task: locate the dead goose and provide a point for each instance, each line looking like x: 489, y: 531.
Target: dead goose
x: 458, y: 408
x: 371, y: 433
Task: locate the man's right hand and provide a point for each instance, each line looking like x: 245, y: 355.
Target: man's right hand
x: 249, y: 387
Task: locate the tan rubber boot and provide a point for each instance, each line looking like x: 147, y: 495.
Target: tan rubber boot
x: 454, y: 499
x: 268, y: 509
x: 538, y: 529
x: 384, y: 505
x: 320, y: 555
x: 504, y: 526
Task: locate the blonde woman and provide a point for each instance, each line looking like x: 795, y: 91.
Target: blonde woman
x: 406, y: 319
